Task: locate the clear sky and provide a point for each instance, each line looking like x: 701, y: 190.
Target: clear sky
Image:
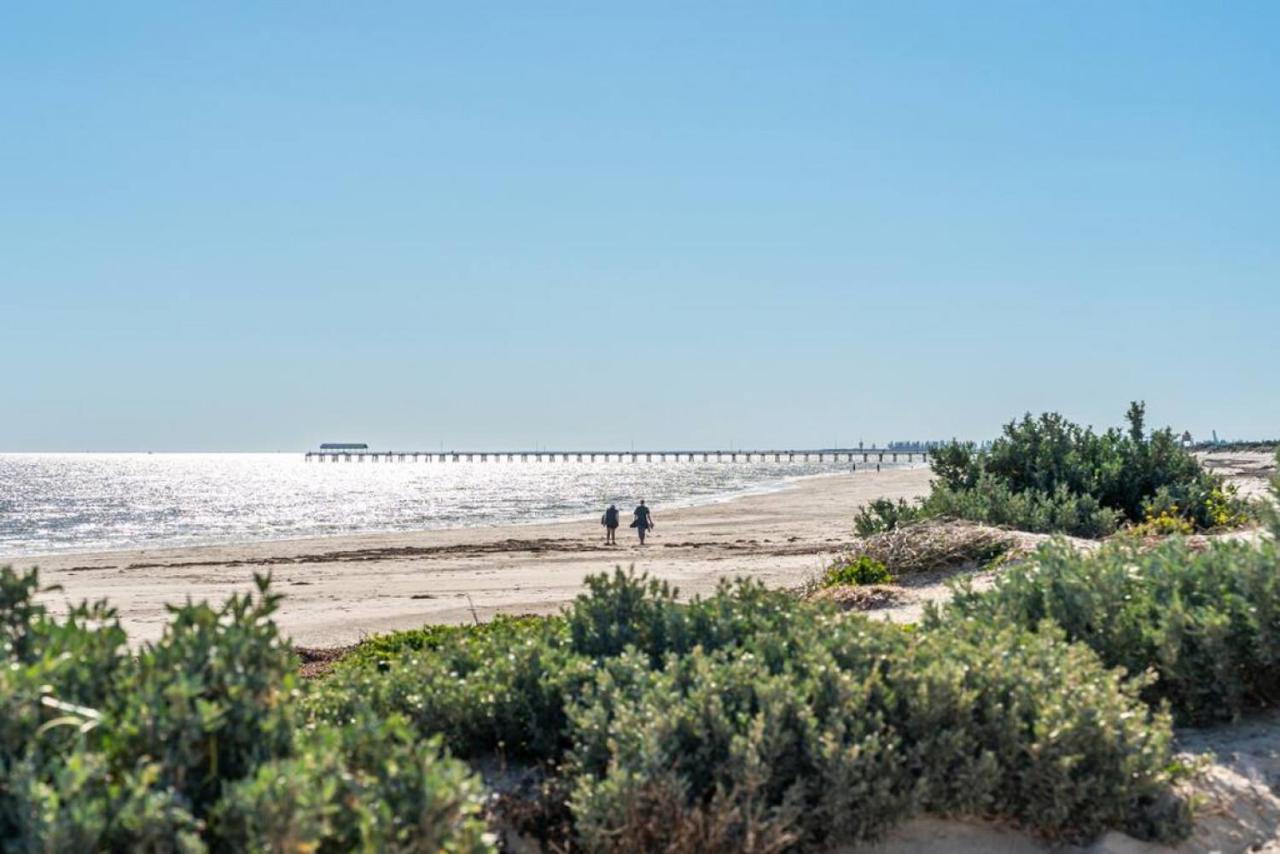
x: 258, y: 226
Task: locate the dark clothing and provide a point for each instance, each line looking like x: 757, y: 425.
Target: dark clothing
x: 642, y: 518
x: 610, y: 519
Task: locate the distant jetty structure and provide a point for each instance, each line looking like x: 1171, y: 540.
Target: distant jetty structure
x: 334, y: 452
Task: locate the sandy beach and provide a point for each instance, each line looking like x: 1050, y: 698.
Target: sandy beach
x: 339, y: 589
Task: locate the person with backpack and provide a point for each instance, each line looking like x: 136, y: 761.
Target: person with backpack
x: 643, y: 521
x: 610, y: 522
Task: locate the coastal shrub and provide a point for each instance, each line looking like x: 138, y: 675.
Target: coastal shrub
x: 364, y: 785
x: 78, y: 658
x: 20, y: 615
x: 860, y: 570
x: 1048, y: 474
x: 884, y: 514
x: 622, y: 610
x: 748, y: 721
x: 1207, y: 623
x: 625, y: 610
x: 504, y: 688
x: 1224, y: 508
x: 210, y: 700
x: 742, y: 720
x: 99, y: 745
x: 385, y: 647
x: 1165, y: 523
x: 53, y: 677
x: 188, y: 743
x: 497, y: 690
x: 860, y: 727
x: 1073, y: 747
x: 1269, y: 510
x: 992, y: 502
x: 79, y: 804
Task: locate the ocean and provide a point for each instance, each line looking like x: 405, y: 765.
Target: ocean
x: 90, y: 502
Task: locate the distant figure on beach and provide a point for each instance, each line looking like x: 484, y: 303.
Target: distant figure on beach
x: 643, y: 521
x: 610, y: 522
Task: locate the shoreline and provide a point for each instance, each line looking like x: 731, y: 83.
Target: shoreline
x: 341, y: 588
x: 708, y: 499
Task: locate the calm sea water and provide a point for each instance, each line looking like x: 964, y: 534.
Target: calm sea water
x: 80, y: 502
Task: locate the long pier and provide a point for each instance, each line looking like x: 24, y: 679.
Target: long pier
x: 851, y: 455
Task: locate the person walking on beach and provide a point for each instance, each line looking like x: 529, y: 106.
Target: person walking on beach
x: 610, y: 522
x: 643, y: 521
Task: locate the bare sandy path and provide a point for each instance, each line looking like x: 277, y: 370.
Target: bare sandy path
x: 341, y: 588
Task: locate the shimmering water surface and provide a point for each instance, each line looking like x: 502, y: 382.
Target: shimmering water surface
x: 82, y: 502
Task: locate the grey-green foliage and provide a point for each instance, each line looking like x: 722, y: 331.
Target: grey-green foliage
x: 505, y: 687
x: 55, y: 675
x: 498, y: 690
x: 863, y: 726
x: 103, y: 750
x: 1270, y: 510
x: 208, y: 701
x: 863, y: 569
x: 79, y: 803
x: 366, y: 785
x: 1048, y: 474
x: 993, y: 502
x: 745, y: 720
x: 750, y: 721
x: 884, y: 514
x: 1207, y: 622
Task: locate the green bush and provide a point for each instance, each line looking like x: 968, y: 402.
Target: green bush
x: 100, y: 750
x: 884, y: 514
x: 745, y: 720
x: 994, y: 503
x: 500, y: 689
x: 79, y: 804
x: 622, y: 610
x: 210, y: 700
x: 366, y: 785
x: 53, y: 677
x: 505, y: 687
x: 1206, y: 622
x: 861, y: 726
x: 863, y: 570
x: 1048, y: 474
x: 1269, y: 511
x: 385, y: 647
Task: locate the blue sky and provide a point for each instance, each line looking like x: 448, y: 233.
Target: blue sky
x: 247, y: 226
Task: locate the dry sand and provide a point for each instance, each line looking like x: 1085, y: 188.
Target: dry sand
x: 339, y: 589
x: 1249, y: 471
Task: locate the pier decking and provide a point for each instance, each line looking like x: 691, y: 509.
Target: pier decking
x: 851, y: 455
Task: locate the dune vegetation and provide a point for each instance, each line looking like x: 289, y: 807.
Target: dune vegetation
x: 1048, y: 475
x: 748, y: 720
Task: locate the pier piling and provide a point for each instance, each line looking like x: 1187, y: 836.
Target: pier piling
x: 822, y: 455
